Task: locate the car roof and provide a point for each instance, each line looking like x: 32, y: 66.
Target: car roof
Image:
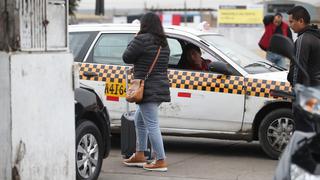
x: 135, y: 28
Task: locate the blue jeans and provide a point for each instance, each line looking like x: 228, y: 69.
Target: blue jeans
x: 276, y: 59
x: 147, y: 124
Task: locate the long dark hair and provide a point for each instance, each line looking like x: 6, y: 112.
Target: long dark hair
x: 184, y: 62
x: 150, y: 23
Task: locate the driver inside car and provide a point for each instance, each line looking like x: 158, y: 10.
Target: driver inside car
x: 191, y: 59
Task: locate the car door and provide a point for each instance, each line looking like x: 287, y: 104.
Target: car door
x: 104, y: 70
x: 202, y: 101
x: 199, y: 100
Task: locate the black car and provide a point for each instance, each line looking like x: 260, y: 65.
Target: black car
x: 92, y: 133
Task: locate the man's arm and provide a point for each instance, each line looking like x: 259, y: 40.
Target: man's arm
x: 290, y: 74
x: 289, y: 34
x: 205, y: 64
x: 302, y: 53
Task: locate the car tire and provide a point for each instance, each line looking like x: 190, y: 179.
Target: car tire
x: 275, y: 131
x: 88, y: 158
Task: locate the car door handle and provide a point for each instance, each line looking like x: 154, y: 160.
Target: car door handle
x: 90, y: 74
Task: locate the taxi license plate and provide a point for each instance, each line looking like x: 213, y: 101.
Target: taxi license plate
x: 115, y: 89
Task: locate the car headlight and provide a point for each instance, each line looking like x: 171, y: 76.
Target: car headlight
x: 312, y: 105
x: 308, y: 99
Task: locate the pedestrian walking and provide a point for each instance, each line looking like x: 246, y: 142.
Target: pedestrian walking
x: 274, y: 25
x: 141, y: 52
x: 307, y: 51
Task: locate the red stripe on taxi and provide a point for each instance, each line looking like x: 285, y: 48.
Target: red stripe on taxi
x: 112, y: 98
x: 184, y: 94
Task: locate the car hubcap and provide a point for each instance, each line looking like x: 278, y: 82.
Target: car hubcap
x: 87, y: 155
x: 279, y: 133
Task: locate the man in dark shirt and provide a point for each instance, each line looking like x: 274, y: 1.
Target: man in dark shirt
x: 274, y: 25
x: 307, y: 50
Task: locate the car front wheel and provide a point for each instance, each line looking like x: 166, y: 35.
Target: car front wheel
x: 88, y: 151
x: 275, y: 131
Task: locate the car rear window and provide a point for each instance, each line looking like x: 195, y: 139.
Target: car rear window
x: 80, y: 43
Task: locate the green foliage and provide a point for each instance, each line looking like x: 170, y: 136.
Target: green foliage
x: 73, y: 4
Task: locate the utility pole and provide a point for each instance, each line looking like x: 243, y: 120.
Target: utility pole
x: 99, y: 8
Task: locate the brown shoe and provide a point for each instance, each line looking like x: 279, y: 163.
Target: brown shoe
x: 136, y: 160
x: 158, y: 165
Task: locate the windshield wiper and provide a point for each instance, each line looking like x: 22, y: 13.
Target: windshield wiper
x: 273, y: 65
x: 256, y: 64
x: 265, y: 64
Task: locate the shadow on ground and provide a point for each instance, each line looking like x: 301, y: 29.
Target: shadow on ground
x: 204, y: 146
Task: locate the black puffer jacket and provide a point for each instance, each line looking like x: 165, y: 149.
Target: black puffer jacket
x: 140, y: 52
x: 307, y: 48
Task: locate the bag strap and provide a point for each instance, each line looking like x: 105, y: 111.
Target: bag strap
x: 152, y: 65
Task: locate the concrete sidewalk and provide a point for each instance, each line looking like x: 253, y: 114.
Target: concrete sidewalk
x: 197, y: 158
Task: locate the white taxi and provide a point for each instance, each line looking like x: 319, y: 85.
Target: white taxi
x: 230, y: 102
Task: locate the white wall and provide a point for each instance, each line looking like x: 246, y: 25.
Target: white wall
x: 140, y: 4
x: 249, y: 37
x: 5, y: 124
x: 42, y: 110
x: 246, y: 36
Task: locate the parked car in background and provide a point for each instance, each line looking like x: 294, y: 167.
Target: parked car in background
x: 231, y: 101
x: 92, y: 133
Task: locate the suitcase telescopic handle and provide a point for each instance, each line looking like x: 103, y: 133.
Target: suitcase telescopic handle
x: 128, y: 71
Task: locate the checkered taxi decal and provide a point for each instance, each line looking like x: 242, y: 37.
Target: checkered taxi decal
x: 191, y: 80
x: 106, y: 73
x: 261, y: 88
x: 206, y: 82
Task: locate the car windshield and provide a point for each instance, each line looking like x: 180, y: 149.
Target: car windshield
x: 245, y: 58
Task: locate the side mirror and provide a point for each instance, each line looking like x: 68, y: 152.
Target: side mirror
x: 282, y: 45
x: 221, y: 67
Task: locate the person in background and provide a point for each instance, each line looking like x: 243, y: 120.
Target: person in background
x: 141, y: 52
x: 274, y: 25
x: 307, y: 50
x: 191, y: 59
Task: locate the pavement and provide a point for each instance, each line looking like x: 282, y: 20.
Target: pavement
x: 197, y: 159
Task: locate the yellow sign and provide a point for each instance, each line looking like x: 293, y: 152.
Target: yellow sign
x: 115, y: 89
x: 240, y: 16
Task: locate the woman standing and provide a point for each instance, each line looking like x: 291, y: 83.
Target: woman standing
x: 141, y: 52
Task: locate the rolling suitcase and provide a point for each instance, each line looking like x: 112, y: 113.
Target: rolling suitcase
x: 128, y: 134
x: 128, y: 137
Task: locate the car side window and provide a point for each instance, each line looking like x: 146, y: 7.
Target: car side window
x: 206, y: 55
x: 175, y: 52
x: 80, y: 43
x: 109, y: 48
